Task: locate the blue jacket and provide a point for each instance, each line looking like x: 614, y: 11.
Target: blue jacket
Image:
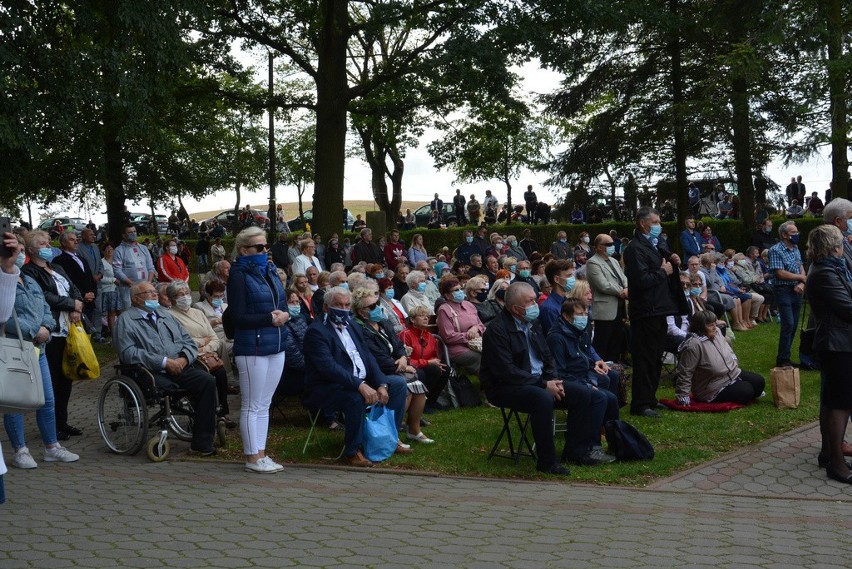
x: 31, y: 309
x: 252, y: 296
x: 691, y: 245
x: 572, y: 353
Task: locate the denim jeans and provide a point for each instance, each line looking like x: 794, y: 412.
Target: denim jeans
x: 45, y: 417
x: 789, y: 306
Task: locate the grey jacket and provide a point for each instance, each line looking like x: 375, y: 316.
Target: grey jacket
x: 607, y: 280
x: 705, y: 367
x: 137, y: 342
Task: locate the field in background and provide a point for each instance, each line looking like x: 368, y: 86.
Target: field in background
x: 291, y: 209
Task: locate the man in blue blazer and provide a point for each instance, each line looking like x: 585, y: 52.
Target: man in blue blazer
x: 342, y: 375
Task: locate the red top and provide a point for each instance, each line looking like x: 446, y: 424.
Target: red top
x: 169, y: 269
x: 423, y: 345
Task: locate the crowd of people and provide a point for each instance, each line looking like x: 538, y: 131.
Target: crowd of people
x: 347, y: 325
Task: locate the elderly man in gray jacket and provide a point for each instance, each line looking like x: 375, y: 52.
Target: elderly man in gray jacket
x: 150, y: 337
x: 609, y: 285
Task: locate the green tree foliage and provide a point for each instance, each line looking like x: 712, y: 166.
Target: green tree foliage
x: 296, y: 157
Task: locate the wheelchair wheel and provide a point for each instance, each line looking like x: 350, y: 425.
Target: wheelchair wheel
x: 180, y: 420
x: 122, y: 415
x: 156, y: 452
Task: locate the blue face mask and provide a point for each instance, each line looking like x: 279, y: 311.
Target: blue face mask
x: 512, y: 268
x: 151, y: 305
x: 22, y: 257
x: 339, y: 315
x: 294, y: 309
x: 45, y: 254
x: 379, y: 276
x: 458, y: 295
x: 794, y: 239
x: 421, y: 287
x: 525, y: 273
x: 531, y: 312
x: 469, y: 239
x: 768, y: 230
x: 131, y: 237
x: 610, y: 250
x: 377, y: 314
x: 655, y: 230
x: 695, y: 291
x: 389, y: 293
x: 570, y: 282
x: 344, y: 285
x: 849, y: 225
x: 581, y: 321
x: 217, y: 302
x: 563, y: 240
x: 259, y: 259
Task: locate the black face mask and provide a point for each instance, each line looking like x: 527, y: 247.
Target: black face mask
x: 501, y: 294
x: 482, y: 296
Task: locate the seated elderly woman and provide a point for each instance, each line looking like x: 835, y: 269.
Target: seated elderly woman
x: 460, y: 327
x: 393, y: 308
x: 213, y: 306
x: 424, y: 354
x: 750, y: 301
x: 476, y: 292
x: 198, y: 327
x: 416, y: 295
x: 715, y: 283
x: 390, y: 354
x: 708, y: 369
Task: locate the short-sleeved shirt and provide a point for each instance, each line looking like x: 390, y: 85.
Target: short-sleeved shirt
x: 780, y: 257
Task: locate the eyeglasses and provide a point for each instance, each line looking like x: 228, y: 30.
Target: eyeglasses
x: 259, y: 247
x: 685, y: 285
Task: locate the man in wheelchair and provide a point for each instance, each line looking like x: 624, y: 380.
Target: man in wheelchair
x: 149, y: 337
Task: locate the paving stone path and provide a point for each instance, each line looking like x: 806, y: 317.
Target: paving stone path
x: 767, y: 506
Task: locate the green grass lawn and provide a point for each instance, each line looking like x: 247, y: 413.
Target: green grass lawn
x: 464, y: 436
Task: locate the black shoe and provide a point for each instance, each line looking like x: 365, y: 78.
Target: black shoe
x: 825, y: 461
x: 834, y: 476
x: 787, y: 363
x: 207, y: 452
x: 73, y: 431
x: 648, y: 413
x: 62, y: 436
x: 558, y: 470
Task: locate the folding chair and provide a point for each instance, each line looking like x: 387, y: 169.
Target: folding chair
x: 314, y: 417
x: 515, y: 453
x: 718, y: 299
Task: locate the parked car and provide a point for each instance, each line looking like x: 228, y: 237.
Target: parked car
x: 298, y: 223
x: 227, y: 219
x: 75, y: 223
x: 142, y: 221
x: 424, y: 213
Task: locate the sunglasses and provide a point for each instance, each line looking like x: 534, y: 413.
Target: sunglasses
x: 259, y: 247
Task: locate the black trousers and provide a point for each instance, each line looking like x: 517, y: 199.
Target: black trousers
x: 744, y: 391
x: 434, y: 380
x: 202, y: 392
x: 610, y: 338
x: 55, y: 352
x: 648, y: 344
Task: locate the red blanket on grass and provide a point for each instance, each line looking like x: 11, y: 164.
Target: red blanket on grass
x: 700, y: 407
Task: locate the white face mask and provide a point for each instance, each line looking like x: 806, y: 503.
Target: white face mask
x: 173, y: 249
x: 183, y: 302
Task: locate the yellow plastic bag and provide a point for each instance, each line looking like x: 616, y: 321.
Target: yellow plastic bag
x: 79, y: 361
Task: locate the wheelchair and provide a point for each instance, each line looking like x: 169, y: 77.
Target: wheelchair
x: 125, y: 403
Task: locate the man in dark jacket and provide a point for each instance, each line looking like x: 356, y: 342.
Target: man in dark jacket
x: 517, y: 372
x: 654, y: 292
x: 279, y: 252
x: 81, y: 275
x: 367, y: 251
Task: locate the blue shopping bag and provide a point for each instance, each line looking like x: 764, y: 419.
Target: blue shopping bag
x: 380, y: 434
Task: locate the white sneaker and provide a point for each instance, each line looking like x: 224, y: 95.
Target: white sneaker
x: 260, y: 467
x: 23, y: 459
x: 420, y: 437
x: 60, y: 454
x: 278, y: 467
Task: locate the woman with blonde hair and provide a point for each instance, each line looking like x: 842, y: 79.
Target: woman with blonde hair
x: 258, y: 313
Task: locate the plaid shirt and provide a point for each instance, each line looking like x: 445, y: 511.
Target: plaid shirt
x: 780, y: 257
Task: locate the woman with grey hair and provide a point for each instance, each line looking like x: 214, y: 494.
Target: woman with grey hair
x: 416, y: 295
x: 196, y: 324
x: 829, y: 290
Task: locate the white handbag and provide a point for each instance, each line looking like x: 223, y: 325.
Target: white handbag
x: 21, y: 387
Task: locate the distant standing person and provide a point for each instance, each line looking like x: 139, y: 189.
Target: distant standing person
x: 458, y: 204
x: 437, y: 205
x: 531, y: 202
x: 474, y: 210
x: 654, y: 292
x: 788, y: 281
x: 132, y: 263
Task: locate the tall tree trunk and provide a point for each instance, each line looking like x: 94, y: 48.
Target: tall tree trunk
x: 331, y: 107
x: 110, y: 128
x: 677, y: 90
x: 375, y: 154
x: 837, y: 92
x: 396, y: 185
